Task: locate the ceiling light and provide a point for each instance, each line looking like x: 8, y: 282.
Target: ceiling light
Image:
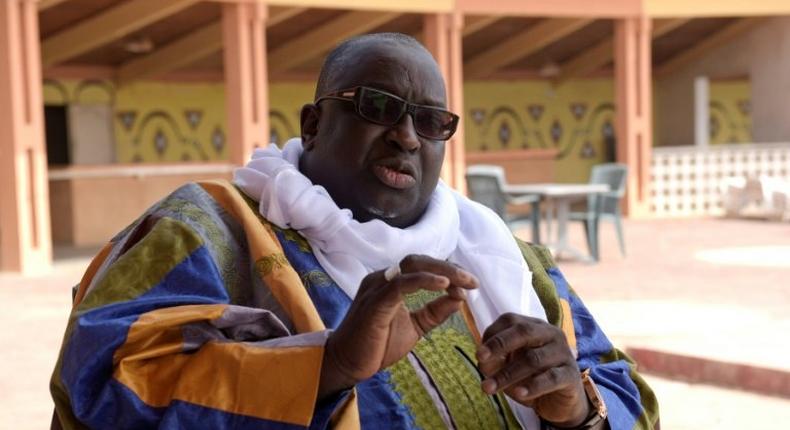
x: 139, y: 45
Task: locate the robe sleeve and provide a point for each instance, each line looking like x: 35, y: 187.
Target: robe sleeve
x: 158, y: 338
x: 630, y: 401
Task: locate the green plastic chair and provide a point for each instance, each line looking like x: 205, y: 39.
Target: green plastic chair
x: 486, y: 185
x: 605, y: 206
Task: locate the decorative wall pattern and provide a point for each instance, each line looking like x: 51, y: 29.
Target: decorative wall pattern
x: 576, y: 118
x: 186, y: 122
x: 166, y: 122
x: 155, y: 122
x: 730, y: 112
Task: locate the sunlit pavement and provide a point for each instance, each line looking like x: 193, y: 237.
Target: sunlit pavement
x: 716, y: 289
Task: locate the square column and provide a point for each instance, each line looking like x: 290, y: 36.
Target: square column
x: 444, y: 39
x: 634, y: 123
x: 25, y: 239
x: 246, y: 78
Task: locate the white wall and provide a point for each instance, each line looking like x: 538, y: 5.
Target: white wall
x: 763, y: 55
x: 92, y: 139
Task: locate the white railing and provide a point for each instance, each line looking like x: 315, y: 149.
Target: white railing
x: 690, y: 181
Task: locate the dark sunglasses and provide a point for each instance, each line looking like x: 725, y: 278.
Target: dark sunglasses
x: 383, y: 108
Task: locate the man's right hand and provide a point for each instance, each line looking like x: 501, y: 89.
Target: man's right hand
x: 379, y: 330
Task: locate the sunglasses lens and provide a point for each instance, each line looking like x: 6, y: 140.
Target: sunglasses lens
x: 379, y: 107
x: 382, y: 108
x: 434, y: 123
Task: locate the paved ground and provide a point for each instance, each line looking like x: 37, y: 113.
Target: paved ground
x: 709, y: 288
x: 706, y: 288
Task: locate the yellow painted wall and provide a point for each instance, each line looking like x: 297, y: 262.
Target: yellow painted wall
x: 285, y: 103
x: 154, y: 121
x: 166, y: 122
x: 730, y: 111
x: 173, y: 122
x: 575, y: 118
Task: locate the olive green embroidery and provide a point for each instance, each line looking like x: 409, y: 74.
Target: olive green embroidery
x: 316, y: 278
x: 289, y: 234
x: 415, y: 396
x: 292, y: 236
x: 447, y: 354
x: 266, y: 265
x: 216, y: 238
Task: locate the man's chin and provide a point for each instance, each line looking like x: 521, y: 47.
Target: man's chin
x: 383, y: 214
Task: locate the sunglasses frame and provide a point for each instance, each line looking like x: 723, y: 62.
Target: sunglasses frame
x: 354, y: 95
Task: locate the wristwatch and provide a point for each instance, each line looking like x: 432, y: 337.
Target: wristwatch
x: 598, y: 411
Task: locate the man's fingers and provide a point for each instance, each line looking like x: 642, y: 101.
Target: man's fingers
x: 408, y: 283
x: 434, y: 313
x: 525, y: 363
x: 521, y: 333
x: 422, y: 263
x: 490, y: 367
x: 548, y: 381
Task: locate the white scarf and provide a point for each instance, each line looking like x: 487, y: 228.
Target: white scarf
x: 452, y: 228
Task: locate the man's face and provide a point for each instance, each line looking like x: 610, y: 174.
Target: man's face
x: 384, y: 172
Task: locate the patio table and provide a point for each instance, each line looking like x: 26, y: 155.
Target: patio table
x: 558, y: 197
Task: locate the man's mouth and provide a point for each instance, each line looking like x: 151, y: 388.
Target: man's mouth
x: 394, y: 177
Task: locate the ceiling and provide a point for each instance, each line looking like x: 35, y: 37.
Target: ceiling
x: 555, y: 54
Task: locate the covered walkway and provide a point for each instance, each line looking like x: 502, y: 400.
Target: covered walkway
x: 106, y: 49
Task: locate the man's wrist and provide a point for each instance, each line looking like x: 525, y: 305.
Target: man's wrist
x: 596, y: 417
x: 333, y: 379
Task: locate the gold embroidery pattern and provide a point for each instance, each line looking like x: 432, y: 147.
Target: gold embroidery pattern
x: 316, y: 278
x: 266, y: 265
x: 289, y: 234
x: 216, y: 238
x: 292, y: 236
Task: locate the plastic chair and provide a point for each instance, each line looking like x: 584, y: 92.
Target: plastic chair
x: 604, y: 206
x: 486, y: 185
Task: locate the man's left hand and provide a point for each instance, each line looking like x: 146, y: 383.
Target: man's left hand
x: 530, y: 360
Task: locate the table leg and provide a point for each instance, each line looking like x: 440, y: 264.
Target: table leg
x: 562, y: 225
x: 549, y: 216
x: 562, y: 246
x: 535, y: 222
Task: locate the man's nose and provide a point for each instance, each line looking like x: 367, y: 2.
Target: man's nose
x: 404, y: 135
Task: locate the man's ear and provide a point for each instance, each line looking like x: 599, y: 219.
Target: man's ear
x: 309, y: 123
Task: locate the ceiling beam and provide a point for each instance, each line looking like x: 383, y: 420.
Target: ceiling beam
x: 315, y: 42
x: 187, y: 50
x: 713, y: 9
x: 106, y: 27
x: 602, y: 53
x: 280, y: 14
x: 664, y: 26
x: 402, y: 6
x: 522, y: 45
x: 556, y: 8
x: 473, y: 24
x: 175, y: 55
x: 590, y: 60
x: 46, y: 4
x: 717, y: 39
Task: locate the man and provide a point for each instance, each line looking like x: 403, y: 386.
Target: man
x: 339, y: 284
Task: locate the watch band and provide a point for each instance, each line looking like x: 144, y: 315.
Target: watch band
x: 598, y: 412
x: 593, y: 394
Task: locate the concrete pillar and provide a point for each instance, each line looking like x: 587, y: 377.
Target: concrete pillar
x: 25, y: 239
x: 633, y: 95
x: 246, y: 78
x: 701, y: 111
x: 444, y: 38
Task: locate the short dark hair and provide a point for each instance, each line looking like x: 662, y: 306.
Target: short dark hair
x: 336, y: 62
